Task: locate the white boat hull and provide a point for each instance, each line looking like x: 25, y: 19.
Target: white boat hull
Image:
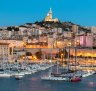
x: 54, y: 78
x: 88, y: 74
x: 5, y: 75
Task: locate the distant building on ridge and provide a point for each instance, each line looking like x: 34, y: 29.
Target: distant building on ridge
x: 49, y: 17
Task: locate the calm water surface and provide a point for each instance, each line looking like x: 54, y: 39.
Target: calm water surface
x: 34, y: 83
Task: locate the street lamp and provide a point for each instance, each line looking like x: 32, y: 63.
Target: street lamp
x: 62, y: 55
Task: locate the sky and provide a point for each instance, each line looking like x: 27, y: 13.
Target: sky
x: 18, y: 12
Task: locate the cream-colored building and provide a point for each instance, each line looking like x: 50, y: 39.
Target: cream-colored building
x: 50, y: 42
x: 11, y: 50
x: 49, y: 17
x: 93, y: 29
x: 6, y: 52
x: 74, y: 28
x: 5, y: 34
x: 14, y: 43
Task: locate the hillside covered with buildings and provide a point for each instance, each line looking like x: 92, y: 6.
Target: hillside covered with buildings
x: 47, y: 34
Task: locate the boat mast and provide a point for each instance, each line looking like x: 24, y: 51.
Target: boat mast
x: 68, y: 61
x: 50, y: 63
x: 75, y: 53
x: 92, y: 52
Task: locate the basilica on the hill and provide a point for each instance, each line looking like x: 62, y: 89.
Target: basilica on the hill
x: 49, y: 17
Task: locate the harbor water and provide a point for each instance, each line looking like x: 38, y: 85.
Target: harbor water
x: 34, y: 83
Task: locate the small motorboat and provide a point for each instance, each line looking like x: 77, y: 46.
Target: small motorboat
x: 75, y: 79
x: 18, y: 77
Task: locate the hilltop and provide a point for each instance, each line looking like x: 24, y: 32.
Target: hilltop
x: 66, y: 26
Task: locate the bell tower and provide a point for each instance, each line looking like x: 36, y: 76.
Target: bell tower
x: 50, y: 14
x: 50, y: 18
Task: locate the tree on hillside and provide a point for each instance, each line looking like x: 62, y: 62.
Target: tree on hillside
x: 28, y: 54
x: 39, y: 54
x: 62, y: 51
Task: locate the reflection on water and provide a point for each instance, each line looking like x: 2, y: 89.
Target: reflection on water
x: 92, y: 84
x: 35, y: 78
x: 34, y: 83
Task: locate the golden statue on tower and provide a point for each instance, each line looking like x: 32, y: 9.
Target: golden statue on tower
x: 49, y: 17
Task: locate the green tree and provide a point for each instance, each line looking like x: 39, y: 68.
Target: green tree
x: 62, y: 51
x: 28, y: 54
x: 39, y: 54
